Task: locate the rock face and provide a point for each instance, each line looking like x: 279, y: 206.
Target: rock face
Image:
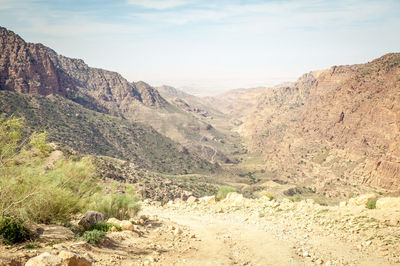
x: 35, y: 68
x: 91, y: 217
x: 333, y: 128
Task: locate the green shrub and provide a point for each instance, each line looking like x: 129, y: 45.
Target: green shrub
x: 101, y: 226
x: 33, y: 189
x: 117, y: 204
x: 295, y: 198
x: 223, y: 191
x: 371, y: 204
x: 13, y: 231
x: 269, y: 196
x: 31, y: 245
x: 93, y: 237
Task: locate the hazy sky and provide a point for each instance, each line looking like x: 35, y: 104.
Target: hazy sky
x: 210, y: 46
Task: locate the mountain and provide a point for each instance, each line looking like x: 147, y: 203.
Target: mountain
x: 335, y: 131
x: 36, y: 69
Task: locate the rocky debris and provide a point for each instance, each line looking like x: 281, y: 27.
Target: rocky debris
x: 357, y: 226
x: 388, y: 203
x: 233, y: 199
x: 208, y: 199
x: 72, y: 259
x: 90, y: 218
x: 192, y: 200
x: 361, y: 200
x: 44, y: 259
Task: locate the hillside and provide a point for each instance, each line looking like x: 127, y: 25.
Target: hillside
x: 335, y: 131
x: 36, y: 69
x: 90, y: 132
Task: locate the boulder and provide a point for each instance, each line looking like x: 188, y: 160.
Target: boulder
x: 114, y: 221
x: 192, y: 200
x: 44, y: 259
x: 91, y: 217
x: 73, y: 259
x: 208, y: 199
x: 127, y: 225
x: 388, y: 203
x: 361, y: 200
x: 233, y: 198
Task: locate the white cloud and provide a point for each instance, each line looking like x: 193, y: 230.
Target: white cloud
x: 158, y: 4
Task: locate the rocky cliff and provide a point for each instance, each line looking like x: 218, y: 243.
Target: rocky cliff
x: 35, y: 68
x: 331, y: 128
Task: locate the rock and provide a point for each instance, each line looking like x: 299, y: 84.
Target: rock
x: 192, y: 200
x: 127, y: 225
x: 233, y: 199
x: 388, y: 203
x: 73, y: 259
x: 177, y: 231
x: 145, y: 218
x: 53, y: 232
x: 44, y: 259
x: 343, y: 204
x: 114, y: 221
x: 361, y: 200
x: 208, y: 200
x: 91, y: 217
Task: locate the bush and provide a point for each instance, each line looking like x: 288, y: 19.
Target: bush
x: 269, y: 196
x: 93, y: 237
x: 29, y: 188
x: 372, y: 204
x: 101, y: 226
x: 119, y: 205
x: 223, y: 191
x: 295, y: 198
x: 13, y: 231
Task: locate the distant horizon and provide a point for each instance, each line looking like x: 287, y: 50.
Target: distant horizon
x: 206, y: 48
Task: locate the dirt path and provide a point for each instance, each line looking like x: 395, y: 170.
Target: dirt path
x: 224, y: 242
x: 242, y: 238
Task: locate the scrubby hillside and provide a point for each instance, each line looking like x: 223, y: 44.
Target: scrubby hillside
x: 90, y: 132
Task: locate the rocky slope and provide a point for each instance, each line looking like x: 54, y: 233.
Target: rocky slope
x: 234, y: 231
x: 90, y: 132
x: 332, y: 130
x: 37, y: 69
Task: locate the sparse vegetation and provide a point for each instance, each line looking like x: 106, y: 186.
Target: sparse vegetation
x: 295, y: 198
x: 13, y: 231
x: 31, y: 245
x: 118, y: 205
x: 101, y: 226
x: 269, y: 195
x: 372, y: 204
x: 94, y: 236
x: 223, y: 191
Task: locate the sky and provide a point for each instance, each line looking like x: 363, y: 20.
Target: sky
x: 207, y: 47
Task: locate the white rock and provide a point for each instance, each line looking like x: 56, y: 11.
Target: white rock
x: 127, y: 225
x: 114, y: 221
x: 44, y: 259
x: 73, y: 259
